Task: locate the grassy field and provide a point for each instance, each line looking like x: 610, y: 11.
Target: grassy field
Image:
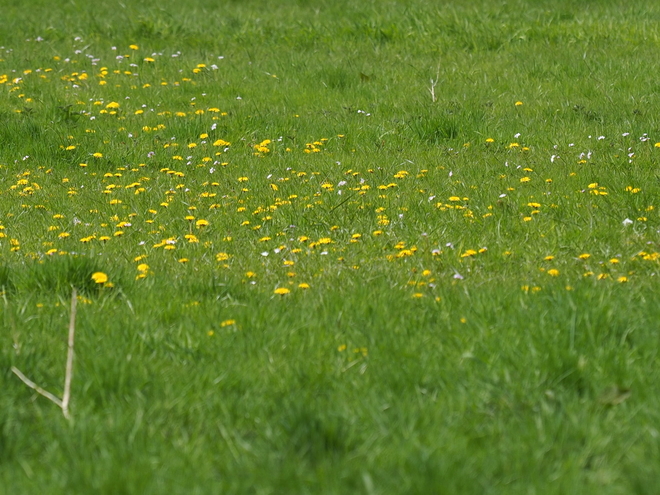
x: 331, y: 247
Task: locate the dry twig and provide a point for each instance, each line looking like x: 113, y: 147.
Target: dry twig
x: 66, y: 396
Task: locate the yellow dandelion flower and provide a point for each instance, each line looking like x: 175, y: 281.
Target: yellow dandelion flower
x: 553, y: 272
x: 99, y: 277
x: 281, y: 291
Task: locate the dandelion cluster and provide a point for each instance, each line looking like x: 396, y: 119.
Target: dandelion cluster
x: 167, y: 182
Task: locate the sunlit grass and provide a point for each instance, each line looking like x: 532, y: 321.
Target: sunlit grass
x: 332, y: 247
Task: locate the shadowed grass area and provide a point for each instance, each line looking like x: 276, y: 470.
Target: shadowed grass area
x: 59, y: 274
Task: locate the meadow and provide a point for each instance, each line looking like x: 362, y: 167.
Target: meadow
x: 331, y: 247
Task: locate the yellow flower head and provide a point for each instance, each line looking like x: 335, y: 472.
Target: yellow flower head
x: 99, y: 277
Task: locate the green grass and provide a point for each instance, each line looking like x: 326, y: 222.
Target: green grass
x: 460, y: 199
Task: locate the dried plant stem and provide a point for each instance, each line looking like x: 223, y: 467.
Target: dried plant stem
x: 64, y: 402
x: 69, y: 356
x: 36, y: 387
x: 434, y: 83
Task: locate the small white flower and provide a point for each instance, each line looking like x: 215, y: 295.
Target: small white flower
x: 627, y: 222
